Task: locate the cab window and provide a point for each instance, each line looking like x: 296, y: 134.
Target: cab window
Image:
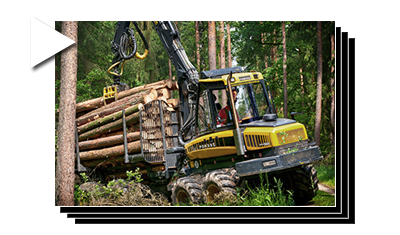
x: 203, y: 112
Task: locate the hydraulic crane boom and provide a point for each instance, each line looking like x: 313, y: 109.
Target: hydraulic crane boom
x: 124, y: 48
x: 187, y: 74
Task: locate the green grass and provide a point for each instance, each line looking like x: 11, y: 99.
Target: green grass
x: 267, y: 194
x: 326, y: 174
x: 323, y: 199
x: 264, y: 194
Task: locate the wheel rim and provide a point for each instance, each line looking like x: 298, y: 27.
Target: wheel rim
x: 182, y: 197
x: 212, y: 190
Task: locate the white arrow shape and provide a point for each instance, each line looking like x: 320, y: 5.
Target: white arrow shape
x: 45, y: 42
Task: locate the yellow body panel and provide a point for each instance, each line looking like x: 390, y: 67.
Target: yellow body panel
x: 266, y: 137
x: 211, y: 152
x: 202, y: 147
x: 255, y: 138
x: 288, y: 134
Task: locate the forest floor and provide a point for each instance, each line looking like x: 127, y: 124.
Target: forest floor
x: 325, y: 197
x: 326, y: 189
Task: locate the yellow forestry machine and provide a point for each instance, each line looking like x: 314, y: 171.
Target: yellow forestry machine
x: 205, y: 146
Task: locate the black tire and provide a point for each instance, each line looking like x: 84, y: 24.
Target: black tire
x: 224, y: 180
x: 305, y: 184
x: 187, y: 190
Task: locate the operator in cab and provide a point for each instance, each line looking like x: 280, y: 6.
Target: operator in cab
x: 226, y: 114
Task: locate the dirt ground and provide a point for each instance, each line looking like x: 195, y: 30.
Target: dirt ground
x: 326, y: 189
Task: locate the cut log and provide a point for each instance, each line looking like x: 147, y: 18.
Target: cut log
x: 111, y: 164
x: 133, y: 147
x: 108, y: 141
x: 98, y: 102
x: 151, y: 96
x: 107, y: 110
x: 174, y: 86
x: 162, y: 98
x: 89, y: 104
x: 155, y: 85
x: 128, y: 99
x: 164, y: 92
x: 173, y: 102
x: 110, y: 127
x: 108, y: 119
x: 130, y: 129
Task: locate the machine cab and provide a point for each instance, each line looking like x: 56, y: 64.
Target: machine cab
x: 250, y: 95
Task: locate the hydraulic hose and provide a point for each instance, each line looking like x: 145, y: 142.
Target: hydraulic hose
x: 128, y: 44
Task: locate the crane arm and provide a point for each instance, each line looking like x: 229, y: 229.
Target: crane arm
x: 187, y: 74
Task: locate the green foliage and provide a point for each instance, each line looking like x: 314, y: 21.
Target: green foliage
x: 134, y: 176
x: 113, y: 190
x: 255, y: 44
x: 326, y: 174
x: 85, y: 178
x: 324, y: 199
x: 80, y: 195
x: 265, y: 194
x: 95, y: 57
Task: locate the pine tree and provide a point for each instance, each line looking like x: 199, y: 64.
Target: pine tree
x: 285, y: 99
x: 318, y: 110
x: 228, y: 32
x: 212, y: 48
x: 333, y: 88
x: 224, y: 98
x: 197, y: 44
x: 66, y: 130
x: 212, y: 51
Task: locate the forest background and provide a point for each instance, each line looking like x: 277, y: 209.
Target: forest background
x: 258, y: 45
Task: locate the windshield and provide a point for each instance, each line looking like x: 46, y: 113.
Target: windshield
x: 251, y: 103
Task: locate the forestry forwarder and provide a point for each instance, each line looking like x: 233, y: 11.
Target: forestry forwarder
x: 208, y: 149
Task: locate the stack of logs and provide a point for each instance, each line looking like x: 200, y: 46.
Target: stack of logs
x: 100, y: 127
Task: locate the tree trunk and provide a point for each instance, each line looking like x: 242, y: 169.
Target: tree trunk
x: 228, y: 31
x: 302, y: 85
x: 266, y: 55
x: 66, y: 131
x: 333, y: 88
x: 170, y: 69
x: 108, y: 141
x: 318, y: 110
x: 222, y: 44
x: 224, y: 99
x: 285, y: 105
x: 274, y: 59
x: 263, y: 40
x: 197, y: 45
x: 212, y: 51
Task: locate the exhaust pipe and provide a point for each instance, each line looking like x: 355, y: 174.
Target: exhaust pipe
x: 237, y: 135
